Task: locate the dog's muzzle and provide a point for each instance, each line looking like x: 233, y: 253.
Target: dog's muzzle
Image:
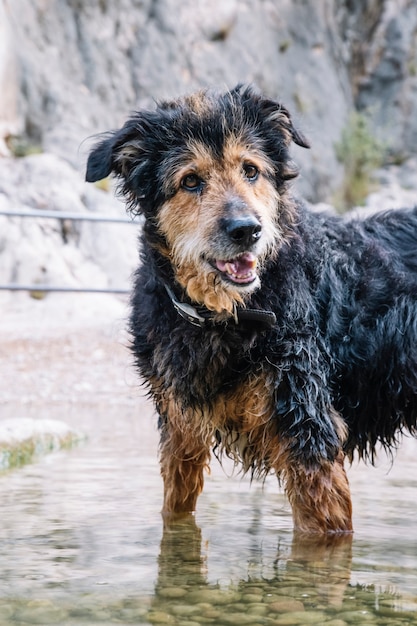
x: 241, y: 233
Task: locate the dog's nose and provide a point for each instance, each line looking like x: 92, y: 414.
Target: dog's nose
x: 243, y: 230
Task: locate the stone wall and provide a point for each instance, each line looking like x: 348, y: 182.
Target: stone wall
x: 83, y: 65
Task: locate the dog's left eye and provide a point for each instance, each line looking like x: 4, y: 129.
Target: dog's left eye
x: 251, y: 171
x: 192, y: 182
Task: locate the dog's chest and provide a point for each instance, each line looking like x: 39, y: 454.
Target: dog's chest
x: 241, y: 421
x: 202, y: 368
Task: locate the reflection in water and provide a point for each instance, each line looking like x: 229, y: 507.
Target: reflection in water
x: 310, y: 586
x: 317, y: 571
x: 82, y: 542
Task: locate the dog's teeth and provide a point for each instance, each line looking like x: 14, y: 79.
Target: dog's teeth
x: 241, y: 269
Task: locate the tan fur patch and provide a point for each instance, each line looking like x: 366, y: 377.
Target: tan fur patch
x: 244, y: 420
x: 198, y: 102
x: 320, y: 498
x: 206, y: 288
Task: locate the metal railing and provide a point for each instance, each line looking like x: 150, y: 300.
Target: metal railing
x: 60, y: 215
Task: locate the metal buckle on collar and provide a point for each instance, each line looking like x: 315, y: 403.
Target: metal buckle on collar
x: 186, y: 311
x: 191, y: 314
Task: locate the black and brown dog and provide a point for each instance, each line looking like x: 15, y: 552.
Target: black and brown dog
x: 284, y: 338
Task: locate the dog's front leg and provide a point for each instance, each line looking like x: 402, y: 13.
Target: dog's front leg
x: 319, y: 496
x: 184, y: 457
x: 312, y: 434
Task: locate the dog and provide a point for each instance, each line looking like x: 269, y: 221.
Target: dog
x: 279, y: 336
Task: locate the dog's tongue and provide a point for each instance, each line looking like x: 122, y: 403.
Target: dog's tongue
x: 240, y: 270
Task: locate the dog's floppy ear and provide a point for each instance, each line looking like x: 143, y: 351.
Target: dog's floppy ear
x: 279, y: 115
x: 100, y: 160
x: 114, y: 153
x: 297, y: 136
x: 274, y: 113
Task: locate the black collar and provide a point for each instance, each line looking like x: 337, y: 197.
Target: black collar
x: 201, y: 316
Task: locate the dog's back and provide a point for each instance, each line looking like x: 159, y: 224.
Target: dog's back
x: 368, y: 300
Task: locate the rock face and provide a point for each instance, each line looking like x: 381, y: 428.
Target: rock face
x: 8, y: 80
x: 73, y: 68
x: 383, y: 68
x: 84, y: 65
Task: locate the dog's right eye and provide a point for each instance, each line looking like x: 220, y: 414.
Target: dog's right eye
x: 192, y: 182
x: 251, y: 171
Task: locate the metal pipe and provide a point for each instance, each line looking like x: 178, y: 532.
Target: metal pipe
x: 15, y: 287
x: 60, y: 215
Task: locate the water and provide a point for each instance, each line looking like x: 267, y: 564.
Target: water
x: 82, y: 540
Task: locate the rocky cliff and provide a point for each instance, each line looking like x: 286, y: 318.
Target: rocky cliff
x: 72, y: 68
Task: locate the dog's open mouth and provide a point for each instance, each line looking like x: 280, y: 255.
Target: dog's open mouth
x: 241, y: 270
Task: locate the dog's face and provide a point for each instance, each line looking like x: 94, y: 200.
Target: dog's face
x: 209, y: 173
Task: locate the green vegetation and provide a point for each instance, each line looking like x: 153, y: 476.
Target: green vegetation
x: 361, y: 153
x: 284, y: 45
x: 22, y: 146
x: 25, y: 443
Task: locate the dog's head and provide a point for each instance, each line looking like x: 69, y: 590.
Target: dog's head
x: 210, y: 174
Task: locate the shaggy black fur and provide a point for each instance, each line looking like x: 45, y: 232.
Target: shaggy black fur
x: 345, y: 297
x: 343, y: 289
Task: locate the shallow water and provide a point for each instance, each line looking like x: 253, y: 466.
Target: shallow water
x: 82, y: 542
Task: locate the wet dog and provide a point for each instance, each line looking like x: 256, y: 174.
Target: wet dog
x: 283, y: 338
